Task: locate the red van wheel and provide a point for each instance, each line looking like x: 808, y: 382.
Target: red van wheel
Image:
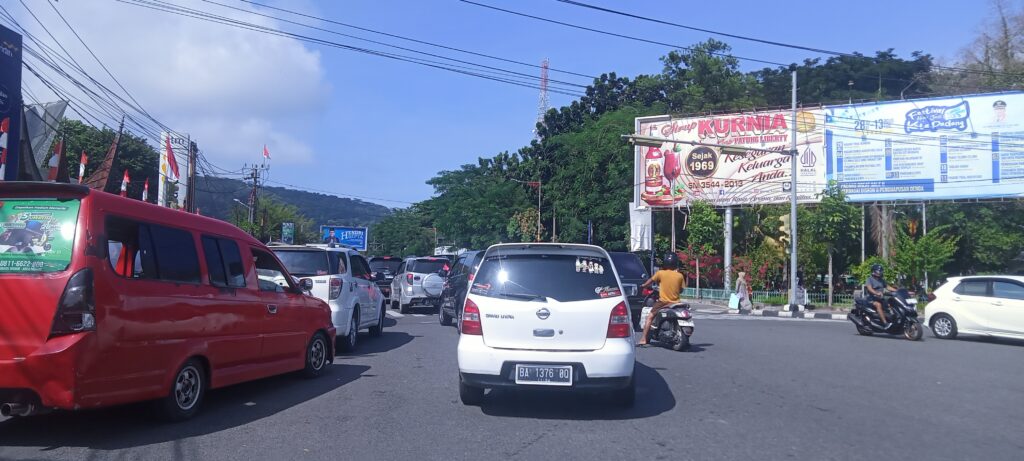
x: 186, y: 394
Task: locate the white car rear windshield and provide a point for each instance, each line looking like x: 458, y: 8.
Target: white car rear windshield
x: 564, y: 278
x: 37, y: 235
x: 427, y: 266
x: 311, y: 263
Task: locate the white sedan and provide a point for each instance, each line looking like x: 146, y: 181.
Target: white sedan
x: 981, y: 305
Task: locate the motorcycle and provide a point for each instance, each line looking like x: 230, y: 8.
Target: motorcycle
x: 673, y: 325
x: 900, y: 308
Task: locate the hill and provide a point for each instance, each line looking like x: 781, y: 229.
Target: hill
x: 216, y: 198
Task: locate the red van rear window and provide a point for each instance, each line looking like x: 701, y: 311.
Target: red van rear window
x: 37, y: 235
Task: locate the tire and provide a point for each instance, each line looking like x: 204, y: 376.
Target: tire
x: 912, y: 330
x: 944, y: 327
x: 318, y: 356
x: 470, y: 395
x: 443, y: 318
x: 349, y: 342
x: 626, y: 396
x: 378, y: 329
x: 682, y: 343
x: 186, y: 394
x: 864, y: 331
x: 403, y: 308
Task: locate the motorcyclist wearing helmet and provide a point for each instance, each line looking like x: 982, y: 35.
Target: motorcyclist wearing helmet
x: 876, y: 287
x: 670, y: 283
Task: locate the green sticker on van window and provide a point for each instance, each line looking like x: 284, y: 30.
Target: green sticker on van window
x: 36, y: 235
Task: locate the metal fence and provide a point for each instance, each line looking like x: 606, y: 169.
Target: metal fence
x: 770, y: 297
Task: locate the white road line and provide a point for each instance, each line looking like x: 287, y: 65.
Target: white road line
x: 394, y: 315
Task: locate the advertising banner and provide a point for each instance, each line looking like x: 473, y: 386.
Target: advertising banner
x: 10, y: 103
x: 678, y: 174
x: 354, y: 237
x: 963, y: 147
x: 288, y: 232
x: 37, y: 235
x: 171, y: 189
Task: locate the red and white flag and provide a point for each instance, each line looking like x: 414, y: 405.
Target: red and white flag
x: 145, y: 190
x: 5, y: 125
x: 266, y: 153
x: 172, y: 163
x: 55, y: 159
x: 124, y: 184
x: 81, y: 167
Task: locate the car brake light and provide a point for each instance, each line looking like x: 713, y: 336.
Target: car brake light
x: 408, y: 278
x: 619, y: 325
x: 336, y: 285
x: 647, y: 292
x: 76, y: 310
x: 471, y: 319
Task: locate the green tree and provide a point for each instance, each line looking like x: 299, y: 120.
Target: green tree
x: 269, y: 217
x: 133, y: 153
x: 406, y: 232
x: 927, y: 254
x: 703, y: 231
x: 834, y: 222
x: 473, y: 205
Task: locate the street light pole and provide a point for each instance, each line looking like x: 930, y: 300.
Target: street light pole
x: 246, y: 207
x: 792, y: 206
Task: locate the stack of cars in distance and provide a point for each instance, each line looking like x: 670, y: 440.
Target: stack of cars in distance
x: 632, y: 274
x: 457, y: 286
x: 419, y: 283
x: 386, y: 266
x: 342, y: 278
x: 117, y: 300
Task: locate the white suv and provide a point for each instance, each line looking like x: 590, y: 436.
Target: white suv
x: 341, y: 277
x: 546, y: 315
x: 420, y: 282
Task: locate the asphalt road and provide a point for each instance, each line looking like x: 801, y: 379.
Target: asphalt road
x: 751, y: 388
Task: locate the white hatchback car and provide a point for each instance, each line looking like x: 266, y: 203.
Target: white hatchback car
x: 990, y: 305
x: 546, y: 315
x: 342, y: 278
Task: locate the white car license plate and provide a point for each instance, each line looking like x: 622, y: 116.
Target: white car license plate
x: 544, y: 375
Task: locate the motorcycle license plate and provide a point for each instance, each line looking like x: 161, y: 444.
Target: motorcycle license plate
x: 685, y: 323
x: 544, y: 375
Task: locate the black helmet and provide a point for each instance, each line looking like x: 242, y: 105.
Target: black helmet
x: 877, y: 270
x: 671, y: 261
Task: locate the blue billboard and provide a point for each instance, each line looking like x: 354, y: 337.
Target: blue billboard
x: 959, y: 147
x: 10, y: 103
x: 353, y: 237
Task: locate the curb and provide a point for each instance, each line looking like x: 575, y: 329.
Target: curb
x: 795, y: 315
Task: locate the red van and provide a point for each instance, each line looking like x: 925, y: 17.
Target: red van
x: 106, y: 300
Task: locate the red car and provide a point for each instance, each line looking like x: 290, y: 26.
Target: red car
x: 106, y: 300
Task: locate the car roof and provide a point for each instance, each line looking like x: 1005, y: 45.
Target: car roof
x: 547, y: 248
x: 1018, y: 278
x: 311, y: 246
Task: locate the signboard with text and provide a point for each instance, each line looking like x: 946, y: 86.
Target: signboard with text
x: 354, y: 237
x: 932, y: 149
x: 754, y: 169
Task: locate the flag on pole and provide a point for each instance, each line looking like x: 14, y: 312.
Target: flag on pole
x: 55, y: 160
x: 5, y: 125
x: 266, y: 153
x: 124, y: 184
x: 145, y: 191
x: 171, y: 161
x: 81, y: 167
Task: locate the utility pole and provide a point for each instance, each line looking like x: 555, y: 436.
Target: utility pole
x: 190, y: 190
x: 792, y: 206
x: 538, y: 211
x: 254, y: 176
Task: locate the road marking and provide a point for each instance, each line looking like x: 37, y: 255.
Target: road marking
x: 394, y: 315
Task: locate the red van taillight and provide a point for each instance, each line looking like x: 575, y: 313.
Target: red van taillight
x: 471, y: 319
x: 618, y: 322
x: 76, y: 310
x: 409, y: 278
x: 336, y: 285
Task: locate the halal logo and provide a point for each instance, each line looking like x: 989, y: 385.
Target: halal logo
x: 808, y: 159
x: 702, y: 162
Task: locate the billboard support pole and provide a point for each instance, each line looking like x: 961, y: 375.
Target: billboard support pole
x: 863, y: 229
x: 924, y: 227
x: 792, y: 206
x: 673, y: 229
x: 728, y: 248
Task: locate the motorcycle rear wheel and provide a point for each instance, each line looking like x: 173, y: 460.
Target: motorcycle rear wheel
x: 912, y: 330
x: 864, y: 331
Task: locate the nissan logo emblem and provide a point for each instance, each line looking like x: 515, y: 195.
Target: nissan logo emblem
x: 543, y: 314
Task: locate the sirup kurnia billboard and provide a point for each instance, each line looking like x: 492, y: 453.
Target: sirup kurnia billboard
x: 755, y: 169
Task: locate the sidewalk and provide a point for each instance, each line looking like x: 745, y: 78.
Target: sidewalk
x: 820, y: 313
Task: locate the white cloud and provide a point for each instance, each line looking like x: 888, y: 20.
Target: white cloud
x: 232, y: 90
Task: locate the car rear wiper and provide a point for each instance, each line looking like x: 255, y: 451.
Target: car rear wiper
x: 524, y: 296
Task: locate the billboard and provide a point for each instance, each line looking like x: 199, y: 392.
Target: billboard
x: 170, y: 188
x: 10, y: 103
x: 354, y: 237
x: 288, y: 232
x: 677, y: 174
x: 928, y: 149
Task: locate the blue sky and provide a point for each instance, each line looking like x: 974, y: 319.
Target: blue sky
x: 363, y: 125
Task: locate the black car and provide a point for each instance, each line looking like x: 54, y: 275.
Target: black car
x: 387, y: 266
x: 457, y: 285
x: 632, y: 274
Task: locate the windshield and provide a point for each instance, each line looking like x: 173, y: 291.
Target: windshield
x: 305, y: 263
x: 563, y: 278
x: 629, y: 266
x: 427, y: 266
x: 390, y: 265
x: 37, y: 235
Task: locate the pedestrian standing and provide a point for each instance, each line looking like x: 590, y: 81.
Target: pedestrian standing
x: 743, y: 291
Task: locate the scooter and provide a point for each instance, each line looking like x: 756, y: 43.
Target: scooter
x: 672, y: 327
x: 900, y: 308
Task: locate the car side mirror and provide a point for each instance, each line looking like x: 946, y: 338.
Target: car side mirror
x: 306, y: 285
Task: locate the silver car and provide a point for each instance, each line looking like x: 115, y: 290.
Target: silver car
x: 419, y: 283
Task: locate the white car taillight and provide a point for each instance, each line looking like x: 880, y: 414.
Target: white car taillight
x: 76, y: 310
x: 471, y: 319
x: 335, y: 292
x: 619, y: 325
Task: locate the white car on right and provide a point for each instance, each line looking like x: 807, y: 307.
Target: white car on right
x: 990, y: 305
